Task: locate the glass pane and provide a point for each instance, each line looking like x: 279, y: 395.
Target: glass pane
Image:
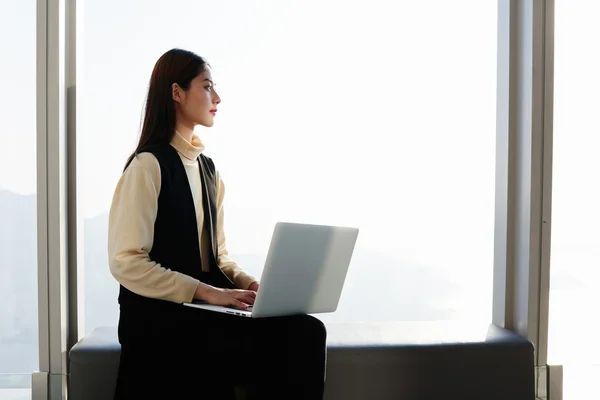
x: 575, y: 255
x: 18, y: 221
x: 379, y: 115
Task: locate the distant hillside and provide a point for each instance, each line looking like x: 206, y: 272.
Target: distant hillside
x: 378, y: 287
x: 18, y: 283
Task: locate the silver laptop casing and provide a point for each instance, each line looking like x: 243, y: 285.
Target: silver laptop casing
x: 304, y: 271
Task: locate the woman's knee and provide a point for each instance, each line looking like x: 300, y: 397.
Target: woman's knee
x: 309, y: 326
x: 318, y: 326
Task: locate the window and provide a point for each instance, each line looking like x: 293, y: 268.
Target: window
x: 18, y: 207
x: 575, y: 254
x: 377, y: 115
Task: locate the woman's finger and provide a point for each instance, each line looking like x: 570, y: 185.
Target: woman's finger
x: 248, y: 292
x: 239, y: 304
x: 243, y: 295
x: 246, y: 298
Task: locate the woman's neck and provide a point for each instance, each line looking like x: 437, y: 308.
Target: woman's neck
x: 185, y: 131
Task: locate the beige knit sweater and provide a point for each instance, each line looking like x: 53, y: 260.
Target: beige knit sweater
x: 131, y: 228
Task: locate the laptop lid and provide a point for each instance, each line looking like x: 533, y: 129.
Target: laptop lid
x: 305, y: 269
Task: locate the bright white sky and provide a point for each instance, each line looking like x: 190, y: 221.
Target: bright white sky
x: 375, y: 114
x: 380, y: 117
x: 331, y: 112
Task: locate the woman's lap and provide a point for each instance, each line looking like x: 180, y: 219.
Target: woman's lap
x: 204, y: 350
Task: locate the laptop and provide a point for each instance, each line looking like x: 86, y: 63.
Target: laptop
x: 304, y: 272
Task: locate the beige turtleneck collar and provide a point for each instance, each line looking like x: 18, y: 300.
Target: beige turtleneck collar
x: 192, y: 150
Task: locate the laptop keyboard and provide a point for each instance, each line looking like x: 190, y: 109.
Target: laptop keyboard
x: 243, y: 309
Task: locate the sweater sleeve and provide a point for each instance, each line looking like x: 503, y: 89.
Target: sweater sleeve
x: 240, y: 278
x: 131, y: 232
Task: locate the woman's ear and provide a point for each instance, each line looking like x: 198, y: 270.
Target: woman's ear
x: 176, y: 92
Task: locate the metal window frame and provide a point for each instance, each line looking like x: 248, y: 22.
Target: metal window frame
x: 56, y: 199
x: 523, y: 183
x: 524, y: 174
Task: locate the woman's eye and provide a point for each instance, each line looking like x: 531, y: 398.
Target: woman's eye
x: 209, y: 88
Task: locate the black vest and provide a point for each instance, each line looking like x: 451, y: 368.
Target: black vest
x: 176, y: 243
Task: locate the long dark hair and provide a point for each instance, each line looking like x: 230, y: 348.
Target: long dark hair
x: 175, y: 66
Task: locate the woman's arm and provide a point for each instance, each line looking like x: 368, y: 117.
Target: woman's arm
x: 240, y: 278
x: 131, y: 232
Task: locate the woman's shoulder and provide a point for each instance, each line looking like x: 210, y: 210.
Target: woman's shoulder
x: 145, y: 162
x: 144, y: 159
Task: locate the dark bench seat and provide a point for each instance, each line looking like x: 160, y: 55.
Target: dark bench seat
x: 401, y: 360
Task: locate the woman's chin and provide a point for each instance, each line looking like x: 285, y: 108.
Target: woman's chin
x: 207, y: 123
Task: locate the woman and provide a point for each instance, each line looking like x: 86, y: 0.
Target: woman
x: 167, y: 247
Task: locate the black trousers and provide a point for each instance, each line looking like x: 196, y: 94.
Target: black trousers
x: 198, y: 354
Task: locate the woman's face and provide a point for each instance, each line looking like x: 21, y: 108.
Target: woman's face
x: 198, y: 104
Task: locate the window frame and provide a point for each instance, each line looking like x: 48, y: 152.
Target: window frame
x: 524, y: 174
x: 523, y: 183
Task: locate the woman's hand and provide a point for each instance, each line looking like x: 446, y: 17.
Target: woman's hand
x: 237, y: 298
